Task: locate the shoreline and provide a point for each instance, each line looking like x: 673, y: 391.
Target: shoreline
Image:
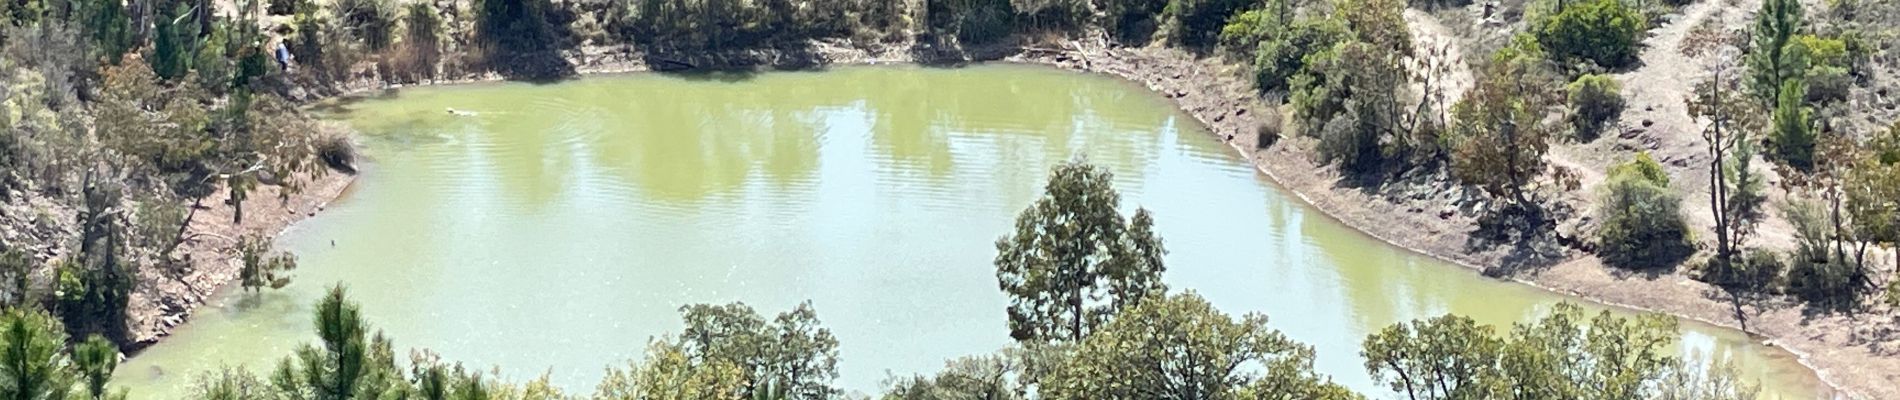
x: 1223, y: 103
x: 161, y: 303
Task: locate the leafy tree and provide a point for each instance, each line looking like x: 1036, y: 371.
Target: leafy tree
x: 993, y: 377
x: 1448, y: 357
x: 1500, y: 128
x: 1872, y: 190
x: 1378, y: 22
x: 1642, y: 218
x: 271, y: 138
x: 1717, y: 381
x: 1072, y: 261
x: 32, y: 366
x: 1349, y: 96
x: 136, y: 117
x: 1195, y: 23
x: 260, y: 269
x: 1595, y: 100
x: 1180, y: 347
x: 1555, y: 358
x: 671, y: 373
x: 1736, y: 191
x: 1769, y: 62
x: 792, y: 351
x: 1245, y: 31
x: 1282, y: 54
x: 1603, y: 32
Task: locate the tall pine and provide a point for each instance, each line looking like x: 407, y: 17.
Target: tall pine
x: 1769, y: 60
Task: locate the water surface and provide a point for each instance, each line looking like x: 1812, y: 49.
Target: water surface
x: 557, y: 228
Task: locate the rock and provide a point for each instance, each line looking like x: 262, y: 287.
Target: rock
x: 1647, y: 122
x: 1240, y: 112
x: 1632, y: 133
x: 1446, y: 214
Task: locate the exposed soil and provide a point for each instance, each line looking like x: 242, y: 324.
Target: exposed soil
x: 164, y: 300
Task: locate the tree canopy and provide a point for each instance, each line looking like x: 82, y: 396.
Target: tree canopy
x: 1073, y: 261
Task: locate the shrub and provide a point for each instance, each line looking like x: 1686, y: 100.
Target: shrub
x: 1815, y: 273
x: 1828, y: 66
x: 1822, y: 279
x: 1195, y: 23
x: 1594, y: 101
x: 371, y: 21
x: 1269, y: 131
x: 1757, y: 271
x: 1282, y: 56
x: 518, y: 40
x: 336, y: 151
x: 1604, y: 32
x: 1132, y: 21
x: 282, y: 7
x: 972, y: 21
x: 1642, y: 219
x: 1244, y: 32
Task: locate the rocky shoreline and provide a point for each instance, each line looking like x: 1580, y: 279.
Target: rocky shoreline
x: 1422, y: 213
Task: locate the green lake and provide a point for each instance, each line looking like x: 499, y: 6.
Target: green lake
x: 557, y: 228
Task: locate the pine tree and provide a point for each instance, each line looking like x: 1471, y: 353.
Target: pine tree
x: 1794, y: 135
x: 32, y: 366
x: 1769, y: 60
x: 96, y: 358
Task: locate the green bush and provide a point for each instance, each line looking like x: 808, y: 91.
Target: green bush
x: 1245, y: 32
x: 1822, y: 279
x: 1132, y: 21
x: 1196, y: 23
x: 1758, y: 271
x: 371, y: 21
x: 1815, y: 272
x: 1284, y: 55
x: 1642, y: 219
x: 1828, y: 66
x: 1594, y: 101
x: 972, y: 21
x: 1604, y: 32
